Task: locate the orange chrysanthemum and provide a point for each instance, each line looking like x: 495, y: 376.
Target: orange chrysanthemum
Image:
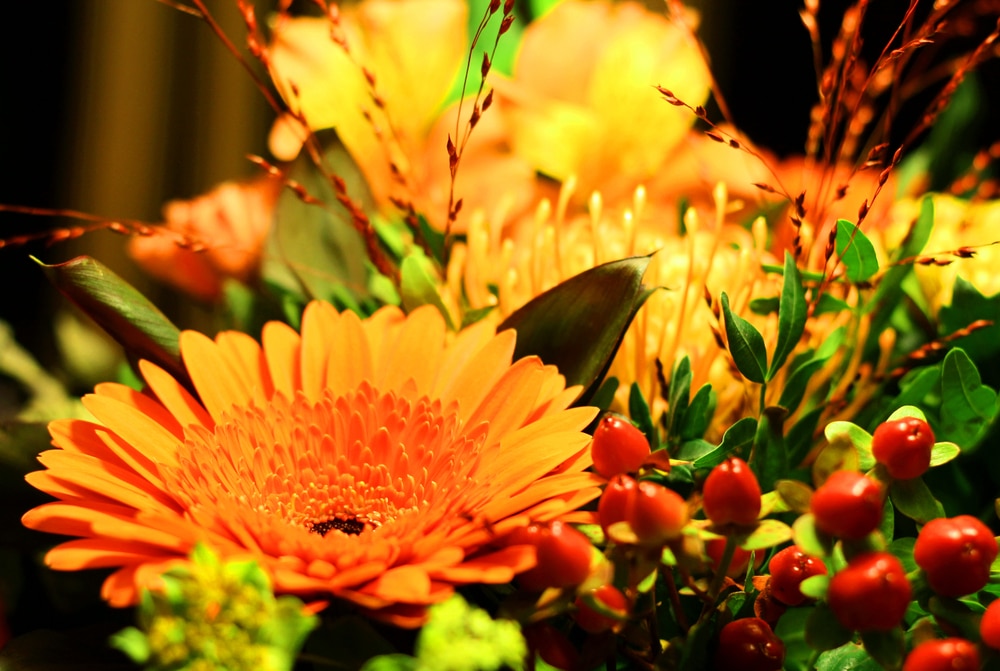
x: 376, y: 461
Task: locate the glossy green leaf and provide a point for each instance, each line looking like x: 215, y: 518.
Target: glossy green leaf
x: 856, y: 251
x: 678, y: 395
x: 419, y: 284
x: 691, y: 450
x: 578, y: 324
x: 737, y: 439
x: 117, y: 307
x: 831, y: 304
x: 915, y: 387
x: 890, y: 288
x: 942, y: 453
x: 967, y: 305
x: 314, y: 251
x: 915, y: 500
x: 967, y: 406
x: 791, y: 315
x: 815, y: 587
x: 746, y: 344
x: 799, y: 440
x: 769, y: 459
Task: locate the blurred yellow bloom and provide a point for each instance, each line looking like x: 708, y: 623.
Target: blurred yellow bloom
x: 582, y: 101
x: 957, y: 223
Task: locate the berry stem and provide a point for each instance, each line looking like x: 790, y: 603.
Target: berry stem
x: 719, y: 579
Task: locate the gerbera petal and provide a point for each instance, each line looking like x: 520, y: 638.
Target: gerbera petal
x: 498, y: 567
x: 414, y: 352
x: 281, y: 349
x: 217, y: 384
x: 174, y: 397
x: 404, y: 584
x: 350, y: 358
x: 143, y: 432
x: 319, y: 322
x: 244, y: 357
x: 471, y: 383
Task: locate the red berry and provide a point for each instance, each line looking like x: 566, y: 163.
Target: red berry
x: 741, y: 558
x: 956, y: 554
x: 848, y: 505
x: 654, y: 513
x: 564, y: 556
x: 947, y: 654
x: 731, y: 494
x: 989, y: 626
x: 903, y: 446
x: 551, y: 645
x: 789, y: 567
x: 871, y: 594
x: 594, y: 622
x: 618, y: 447
x: 749, y: 644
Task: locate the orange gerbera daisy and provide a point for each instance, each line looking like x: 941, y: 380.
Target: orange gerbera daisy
x: 373, y: 460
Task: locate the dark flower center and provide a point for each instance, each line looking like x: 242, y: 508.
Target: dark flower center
x: 351, y: 527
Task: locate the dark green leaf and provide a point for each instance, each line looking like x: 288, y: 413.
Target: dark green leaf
x: 791, y: 315
x: 691, y: 450
x: 827, y: 304
x: 795, y: 386
x: 699, y: 414
x: 915, y: 386
x: 605, y: 394
x: 823, y: 629
x: 139, y: 327
x: 314, y: 251
x: 638, y: 411
x: 769, y: 459
x: 968, y: 305
x: 765, y: 306
x: 737, y: 439
x: 678, y: 395
x: 746, y: 344
x: 799, y: 440
x: 890, y: 288
x: 967, y: 406
x: 915, y: 500
x: 856, y: 251
x: 848, y: 657
x: 578, y: 324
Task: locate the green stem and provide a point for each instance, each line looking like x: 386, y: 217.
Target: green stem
x: 715, y: 587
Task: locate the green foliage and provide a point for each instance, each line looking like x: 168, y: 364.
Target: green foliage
x: 855, y: 251
x: 746, y: 344
x: 791, y: 315
x: 216, y: 615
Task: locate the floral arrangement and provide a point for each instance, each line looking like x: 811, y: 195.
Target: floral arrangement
x: 528, y: 358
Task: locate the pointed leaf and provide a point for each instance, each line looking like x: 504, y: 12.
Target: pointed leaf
x: 967, y: 406
x: 679, y: 394
x: 746, y: 344
x: 129, y: 317
x: 699, y: 414
x: 791, y: 315
x: 856, y: 251
x: 638, y: 411
x: 767, y: 534
x: 915, y: 500
x: 737, y: 438
x: 796, y: 383
x: 578, y: 324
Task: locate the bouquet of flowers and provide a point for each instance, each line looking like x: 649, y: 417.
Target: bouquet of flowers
x: 524, y: 356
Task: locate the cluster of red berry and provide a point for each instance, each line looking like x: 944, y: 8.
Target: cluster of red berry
x: 870, y: 593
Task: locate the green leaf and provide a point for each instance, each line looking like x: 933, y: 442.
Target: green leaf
x: 799, y: 440
x: 809, y: 538
x: 795, y: 386
x: 640, y: 415
x: 767, y: 534
x: 769, y: 459
x: 848, y: 657
x: 815, y: 587
x: 692, y: 450
x: 967, y: 305
x: 605, y: 395
x: 823, y: 629
x: 129, y: 317
x: 699, y: 414
x: 915, y: 500
x: 578, y: 324
x: 746, y: 344
x: 394, y: 662
x: 967, y: 406
x: 678, y: 396
x: 855, y: 436
x: 314, y: 251
x: 737, y: 438
x: 856, y: 251
x: 419, y: 284
x: 890, y: 288
x: 791, y: 315
x: 885, y: 647
x: 915, y: 386
x: 942, y: 453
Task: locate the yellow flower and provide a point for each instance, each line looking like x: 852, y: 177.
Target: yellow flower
x: 375, y: 461
x: 582, y: 101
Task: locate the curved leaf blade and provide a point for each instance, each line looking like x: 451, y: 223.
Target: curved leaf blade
x: 746, y: 344
x: 578, y: 325
x: 791, y: 315
x: 856, y: 251
x: 120, y: 309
